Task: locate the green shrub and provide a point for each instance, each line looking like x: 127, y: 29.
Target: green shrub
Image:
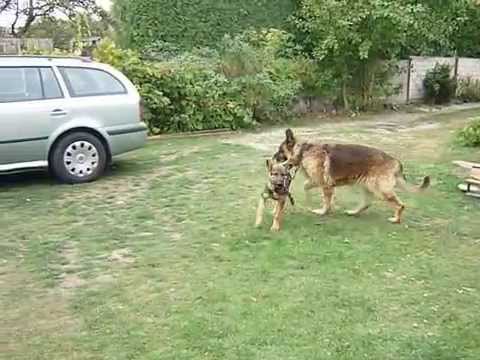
x: 263, y: 78
x: 470, y: 134
x: 468, y: 90
x: 439, y: 85
x: 247, y: 80
x: 179, y: 96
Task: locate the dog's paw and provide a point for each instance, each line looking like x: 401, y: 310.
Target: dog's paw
x: 275, y: 228
x: 321, y: 212
x: 352, y: 212
x: 394, y: 220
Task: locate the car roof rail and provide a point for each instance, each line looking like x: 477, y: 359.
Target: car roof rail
x: 81, y: 58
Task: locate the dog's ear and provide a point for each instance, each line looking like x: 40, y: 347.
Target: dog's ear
x: 289, y: 137
x: 269, y: 165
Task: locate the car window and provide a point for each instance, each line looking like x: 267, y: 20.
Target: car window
x: 20, y: 84
x: 51, y: 88
x: 91, y: 82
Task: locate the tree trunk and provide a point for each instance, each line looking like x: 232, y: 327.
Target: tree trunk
x: 30, y: 19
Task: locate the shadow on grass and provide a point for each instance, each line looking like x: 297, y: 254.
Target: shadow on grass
x: 43, y: 177
x: 26, y: 179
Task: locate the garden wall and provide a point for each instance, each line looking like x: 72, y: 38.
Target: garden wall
x: 411, y: 73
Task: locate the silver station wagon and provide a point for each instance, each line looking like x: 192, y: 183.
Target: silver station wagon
x: 68, y: 115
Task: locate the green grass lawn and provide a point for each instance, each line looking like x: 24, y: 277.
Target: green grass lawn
x: 160, y: 260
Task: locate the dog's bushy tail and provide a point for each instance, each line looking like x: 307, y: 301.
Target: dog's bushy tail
x: 404, y: 185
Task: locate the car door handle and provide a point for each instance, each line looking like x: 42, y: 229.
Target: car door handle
x: 58, y: 112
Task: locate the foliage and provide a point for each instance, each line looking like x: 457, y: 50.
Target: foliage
x: 63, y: 32
x: 466, y: 38
x: 436, y: 30
x: 82, y: 31
x: 468, y: 90
x: 188, y: 24
x: 439, y: 84
x: 246, y: 81
x: 179, y: 96
x: 444, y: 28
x: 59, y: 30
x: 263, y: 79
x: 470, y: 134
x: 54, y: 52
x: 350, y: 40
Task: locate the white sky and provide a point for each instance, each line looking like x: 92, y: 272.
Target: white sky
x: 6, y: 19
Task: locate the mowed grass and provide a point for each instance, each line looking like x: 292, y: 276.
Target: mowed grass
x: 159, y: 260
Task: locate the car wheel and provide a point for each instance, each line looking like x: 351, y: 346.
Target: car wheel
x: 78, y: 158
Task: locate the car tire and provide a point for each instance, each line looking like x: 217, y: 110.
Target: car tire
x: 78, y: 157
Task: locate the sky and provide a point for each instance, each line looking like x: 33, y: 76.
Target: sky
x: 6, y: 19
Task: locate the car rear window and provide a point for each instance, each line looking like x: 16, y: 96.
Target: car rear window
x: 91, y: 82
x: 20, y: 84
x: 28, y: 83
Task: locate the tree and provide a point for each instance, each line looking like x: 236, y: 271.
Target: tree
x: 41, y: 9
x: 63, y: 32
x: 352, y: 39
x: 440, y: 29
x: 467, y: 43
x: 60, y: 31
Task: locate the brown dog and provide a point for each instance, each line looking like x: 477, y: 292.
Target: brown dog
x: 331, y: 165
x: 278, y: 190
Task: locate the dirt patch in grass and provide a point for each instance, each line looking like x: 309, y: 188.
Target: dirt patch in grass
x: 117, y: 191
x: 120, y: 190
x: 122, y: 256
x: 367, y: 129
x: 72, y: 281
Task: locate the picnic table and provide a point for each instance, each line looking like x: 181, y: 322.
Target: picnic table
x: 471, y: 186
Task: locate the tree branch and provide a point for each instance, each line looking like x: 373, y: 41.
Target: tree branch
x: 5, y: 5
x: 37, y: 9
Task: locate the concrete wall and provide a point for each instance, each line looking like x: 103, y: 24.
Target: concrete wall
x: 419, y: 68
x: 468, y: 67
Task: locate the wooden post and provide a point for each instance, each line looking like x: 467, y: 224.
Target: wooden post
x: 409, y: 74
x: 455, y: 71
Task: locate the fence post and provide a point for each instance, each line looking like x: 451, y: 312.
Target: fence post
x: 455, y: 71
x: 409, y: 74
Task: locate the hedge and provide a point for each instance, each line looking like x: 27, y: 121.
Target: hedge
x: 195, y: 23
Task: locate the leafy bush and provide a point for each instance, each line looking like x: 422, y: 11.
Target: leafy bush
x: 264, y: 79
x: 439, y: 85
x: 351, y: 40
x: 247, y: 80
x: 468, y: 90
x: 179, y: 95
x: 470, y: 135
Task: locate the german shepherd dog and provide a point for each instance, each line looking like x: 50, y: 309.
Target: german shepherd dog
x: 331, y: 165
x: 278, y: 190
